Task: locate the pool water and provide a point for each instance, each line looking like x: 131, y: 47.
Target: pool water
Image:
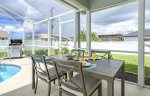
x: 7, y: 71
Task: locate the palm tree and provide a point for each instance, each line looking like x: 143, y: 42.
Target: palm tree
x: 94, y: 36
x: 83, y: 35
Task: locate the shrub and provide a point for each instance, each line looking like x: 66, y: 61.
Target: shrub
x: 2, y: 54
x: 41, y: 52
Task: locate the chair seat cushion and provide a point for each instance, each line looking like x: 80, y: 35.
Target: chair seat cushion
x: 91, y: 83
x: 52, y: 73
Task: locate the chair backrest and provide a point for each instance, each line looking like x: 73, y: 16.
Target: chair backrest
x: 40, y: 65
x: 77, y: 52
x: 69, y: 67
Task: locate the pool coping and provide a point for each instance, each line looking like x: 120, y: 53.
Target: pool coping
x: 22, y: 78
x: 12, y: 75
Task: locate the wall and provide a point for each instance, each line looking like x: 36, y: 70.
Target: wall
x: 131, y: 39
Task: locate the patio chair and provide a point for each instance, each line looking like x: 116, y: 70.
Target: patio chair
x: 77, y: 52
x: 102, y: 52
x: 42, y: 71
x: 78, y: 85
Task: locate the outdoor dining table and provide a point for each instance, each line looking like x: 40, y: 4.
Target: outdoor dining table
x: 105, y: 69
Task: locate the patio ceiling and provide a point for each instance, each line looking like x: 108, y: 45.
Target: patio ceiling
x: 92, y: 5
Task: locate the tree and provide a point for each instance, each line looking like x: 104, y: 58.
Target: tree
x: 94, y: 36
x: 83, y: 35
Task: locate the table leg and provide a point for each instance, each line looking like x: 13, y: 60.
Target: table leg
x: 122, y: 82
x: 110, y: 88
x: 33, y: 77
x: 109, y: 56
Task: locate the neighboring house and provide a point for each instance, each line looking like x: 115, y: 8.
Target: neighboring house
x: 3, y: 35
x: 112, y: 37
x: 44, y: 37
x: 133, y: 36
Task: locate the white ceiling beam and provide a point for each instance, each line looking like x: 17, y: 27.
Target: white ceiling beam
x: 96, y: 5
x: 85, y: 4
x: 77, y: 5
x: 68, y: 5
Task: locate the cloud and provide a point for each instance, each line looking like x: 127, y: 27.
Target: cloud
x: 119, y: 14
x: 44, y: 6
x: 121, y: 27
x: 116, y: 14
x: 22, y: 8
x: 12, y: 29
x: 1, y: 28
x: 121, y: 19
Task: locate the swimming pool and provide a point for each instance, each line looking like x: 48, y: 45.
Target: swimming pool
x: 7, y: 71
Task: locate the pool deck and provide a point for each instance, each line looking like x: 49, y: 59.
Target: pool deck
x: 20, y: 84
x: 22, y: 78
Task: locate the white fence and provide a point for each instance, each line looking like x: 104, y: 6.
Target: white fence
x: 125, y: 47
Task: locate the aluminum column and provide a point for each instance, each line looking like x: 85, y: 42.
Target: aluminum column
x: 77, y: 43
x: 33, y: 39
x: 88, y: 32
x: 23, y: 37
x: 141, y: 28
x: 60, y: 33
x: 49, y: 30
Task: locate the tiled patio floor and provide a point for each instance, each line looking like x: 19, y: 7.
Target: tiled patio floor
x: 20, y: 85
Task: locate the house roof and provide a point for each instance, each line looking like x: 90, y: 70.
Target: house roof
x: 3, y: 34
x: 135, y: 34
x: 45, y: 36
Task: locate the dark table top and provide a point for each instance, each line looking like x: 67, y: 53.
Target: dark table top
x: 103, y: 68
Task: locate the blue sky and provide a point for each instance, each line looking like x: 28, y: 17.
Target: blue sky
x: 121, y: 19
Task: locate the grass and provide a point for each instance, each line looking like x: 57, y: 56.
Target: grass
x: 2, y: 54
x: 131, y: 63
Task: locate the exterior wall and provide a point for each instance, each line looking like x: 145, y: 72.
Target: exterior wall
x: 111, y: 37
x: 3, y: 38
x: 3, y: 42
x: 130, y: 39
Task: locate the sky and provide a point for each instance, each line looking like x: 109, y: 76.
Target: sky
x: 117, y: 20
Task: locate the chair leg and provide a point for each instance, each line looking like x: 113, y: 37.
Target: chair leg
x: 100, y: 90
x: 36, y: 85
x: 60, y: 92
x: 71, y: 74
x: 66, y: 75
x: 49, y: 88
x: 54, y: 81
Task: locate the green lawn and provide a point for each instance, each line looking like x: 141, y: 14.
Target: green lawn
x: 131, y: 62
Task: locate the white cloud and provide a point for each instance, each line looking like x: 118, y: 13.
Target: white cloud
x: 1, y: 28
x: 8, y: 28
x: 116, y: 28
x: 121, y: 27
x: 115, y: 20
